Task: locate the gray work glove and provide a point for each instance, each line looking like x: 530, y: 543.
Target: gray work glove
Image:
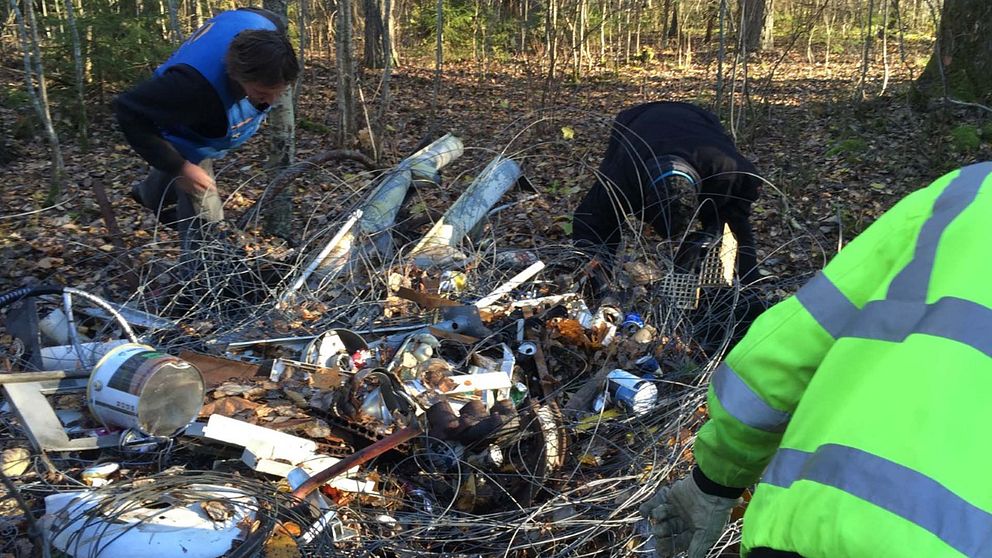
x: 683, y: 517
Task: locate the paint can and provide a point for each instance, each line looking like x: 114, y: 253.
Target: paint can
x: 632, y: 392
x: 135, y: 386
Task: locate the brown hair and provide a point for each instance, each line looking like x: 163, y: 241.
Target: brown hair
x: 261, y: 56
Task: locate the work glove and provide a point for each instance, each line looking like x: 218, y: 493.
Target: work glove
x: 683, y: 517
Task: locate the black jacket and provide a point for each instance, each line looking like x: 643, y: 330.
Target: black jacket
x: 642, y: 136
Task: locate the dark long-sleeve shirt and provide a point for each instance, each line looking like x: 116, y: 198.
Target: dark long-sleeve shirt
x: 640, y: 135
x: 180, y: 96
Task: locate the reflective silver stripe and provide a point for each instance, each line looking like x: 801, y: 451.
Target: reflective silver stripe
x: 828, y: 306
x: 744, y: 404
x: 913, y: 281
x: 951, y: 318
x: 906, y: 493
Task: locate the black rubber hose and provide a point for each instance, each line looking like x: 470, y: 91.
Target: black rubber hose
x: 13, y: 296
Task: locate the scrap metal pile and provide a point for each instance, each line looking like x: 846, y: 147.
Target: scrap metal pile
x: 447, y: 396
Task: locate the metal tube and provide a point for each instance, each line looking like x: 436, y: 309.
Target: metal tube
x: 357, y: 458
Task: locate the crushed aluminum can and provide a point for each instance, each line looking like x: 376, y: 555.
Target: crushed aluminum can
x: 361, y: 358
x: 527, y: 348
x: 578, y: 310
x: 632, y: 392
x: 96, y: 476
x: 599, y: 404
x: 648, y: 365
x: 632, y: 322
x: 453, y: 282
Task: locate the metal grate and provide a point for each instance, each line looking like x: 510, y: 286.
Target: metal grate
x: 720, y: 262
x: 716, y: 270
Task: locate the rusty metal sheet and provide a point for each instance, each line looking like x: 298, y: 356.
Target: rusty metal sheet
x: 217, y: 370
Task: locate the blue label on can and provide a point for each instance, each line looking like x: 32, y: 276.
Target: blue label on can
x: 647, y: 364
x: 632, y: 319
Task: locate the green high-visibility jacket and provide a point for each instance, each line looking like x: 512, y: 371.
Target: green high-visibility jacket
x: 864, y: 402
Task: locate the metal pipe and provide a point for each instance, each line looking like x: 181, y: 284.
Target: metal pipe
x: 356, y: 459
x: 21, y: 377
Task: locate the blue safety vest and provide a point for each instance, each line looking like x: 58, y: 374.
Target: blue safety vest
x: 205, y: 51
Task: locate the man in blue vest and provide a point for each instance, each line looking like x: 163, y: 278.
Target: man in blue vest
x: 210, y: 96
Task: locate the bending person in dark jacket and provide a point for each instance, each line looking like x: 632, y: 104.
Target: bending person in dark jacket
x: 210, y: 96
x: 665, y: 163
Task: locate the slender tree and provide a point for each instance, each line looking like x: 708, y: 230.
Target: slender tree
x: 375, y: 30
x: 278, y: 214
x: 78, y: 66
x: 344, y: 50
x: 175, y: 33
x: 34, y: 81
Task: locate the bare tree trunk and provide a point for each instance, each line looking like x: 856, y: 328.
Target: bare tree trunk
x: 866, y: 52
x: 960, y: 68
x: 551, y: 46
x: 34, y: 70
x: 885, y: 48
x: 721, y: 56
x: 387, y: 72
x: 177, y: 34
x: 77, y: 59
x: 673, y: 29
x: 768, y: 26
x: 375, y: 53
x: 438, y: 64
x: 753, y: 22
x: 301, y: 25
x: 278, y: 213
x: 344, y: 42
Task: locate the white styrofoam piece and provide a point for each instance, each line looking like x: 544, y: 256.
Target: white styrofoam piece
x: 79, y: 526
x: 264, y: 457
x: 467, y: 383
x: 240, y: 433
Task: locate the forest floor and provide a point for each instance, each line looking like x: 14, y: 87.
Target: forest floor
x: 833, y: 163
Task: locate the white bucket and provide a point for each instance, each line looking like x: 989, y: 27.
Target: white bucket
x: 135, y: 386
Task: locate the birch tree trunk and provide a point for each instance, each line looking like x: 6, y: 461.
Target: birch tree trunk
x: 34, y: 71
x: 78, y: 64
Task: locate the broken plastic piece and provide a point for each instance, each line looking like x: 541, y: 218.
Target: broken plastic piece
x: 84, y: 524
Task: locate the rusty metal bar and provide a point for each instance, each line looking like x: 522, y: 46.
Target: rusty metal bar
x: 356, y: 459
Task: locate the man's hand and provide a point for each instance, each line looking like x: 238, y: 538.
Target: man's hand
x: 683, y: 517
x: 194, y: 180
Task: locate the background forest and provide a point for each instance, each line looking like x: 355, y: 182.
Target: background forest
x: 845, y: 105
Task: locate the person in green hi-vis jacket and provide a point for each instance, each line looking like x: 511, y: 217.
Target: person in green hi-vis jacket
x: 859, y: 406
